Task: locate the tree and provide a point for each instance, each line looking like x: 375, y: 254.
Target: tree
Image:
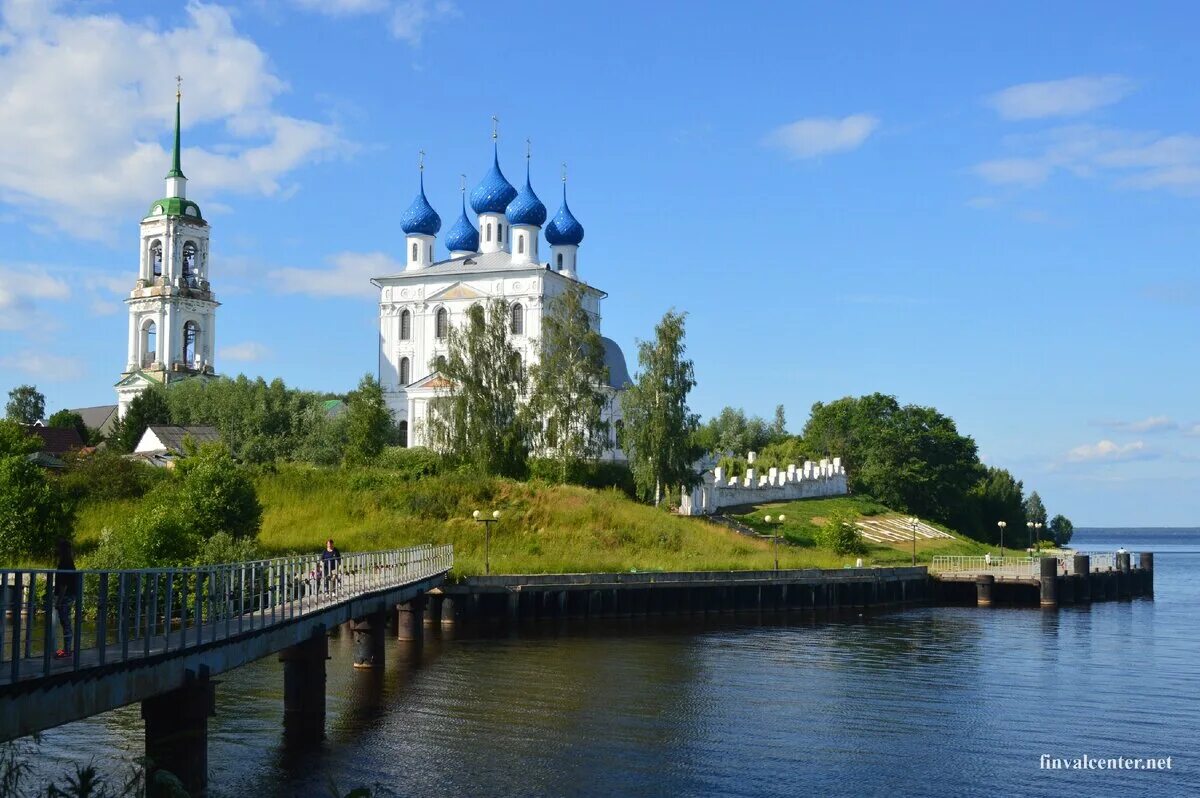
x: 779, y: 425
x: 568, y: 396
x: 1062, y: 529
x: 15, y: 441
x: 840, y: 533
x: 218, y: 494
x: 369, y: 422
x: 26, y: 404
x: 659, y: 425
x: 478, y: 420
x: 1035, y: 511
x: 33, y: 511
x: 998, y: 497
x: 733, y: 431
x: 148, y: 407
x: 67, y: 419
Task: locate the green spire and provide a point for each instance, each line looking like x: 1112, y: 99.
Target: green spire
x: 176, y: 171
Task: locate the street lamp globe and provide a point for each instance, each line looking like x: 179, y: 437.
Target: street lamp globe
x: 496, y: 515
x: 782, y: 518
x: 475, y: 515
x: 767, y: 519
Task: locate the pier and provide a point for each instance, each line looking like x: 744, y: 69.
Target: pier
x: 159, y: 636
x: 1078, y: 577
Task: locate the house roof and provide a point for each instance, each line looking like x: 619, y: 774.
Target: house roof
x: 96, y: 417
x: 172, y: 437
x: 55, y: 440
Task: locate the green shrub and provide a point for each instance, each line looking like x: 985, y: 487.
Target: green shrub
x: 590, y: 474
x: 34, y: 512
x: 411, y: 463
x: 224, y: 548
x: 106, y: 475
x: 218, y: 494
x: 840, y: 534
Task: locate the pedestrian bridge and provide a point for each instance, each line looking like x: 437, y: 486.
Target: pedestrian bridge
x: 157, y: 635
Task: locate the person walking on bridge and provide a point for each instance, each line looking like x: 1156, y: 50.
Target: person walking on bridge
x: 331, y: 558
x: 64, y: 593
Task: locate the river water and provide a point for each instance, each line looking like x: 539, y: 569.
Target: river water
x: 932, y: 701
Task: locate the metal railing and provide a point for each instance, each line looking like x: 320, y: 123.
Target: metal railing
x: 1000, y: 566
x: 115, y: 616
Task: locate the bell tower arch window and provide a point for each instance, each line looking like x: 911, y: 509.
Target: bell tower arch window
x: 149, y: 342
x: 191, y: 337
x: 189, y: 260
x: 156, y: 258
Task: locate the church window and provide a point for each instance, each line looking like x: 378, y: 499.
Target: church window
x: 414, y: 252
x: 156, y: 257
x: 488, y: 233
x: 500, y: 233
x: 404, y: 372
x: 431, y: 253
x: 560, y: 261
x: 404, y: 434
x: 520, y: 245
x: 517, y: 323
x: 149, y: 338
x: 191, y: 334
x: 441, y: 323
x: 405, y: 325
x: 189, y: 260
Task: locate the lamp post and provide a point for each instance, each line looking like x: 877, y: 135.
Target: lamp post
x: 912, y: 522
x: 775, y: 536
x: 487, y: 545
x: 1001, y: 524
x: 1037, y: 533
x: 1030, y: 525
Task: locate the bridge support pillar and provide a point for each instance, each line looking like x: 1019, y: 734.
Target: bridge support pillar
x: 1081, y: 567
x: 1146, y: 562
x: 449, y: 610
x: 1048, y: 577
x: 177, y: 736
x: 369, y: 640
x: 410, y: 623
x: 984, y: 583
x: 434, y: 616
x: 304, y: 688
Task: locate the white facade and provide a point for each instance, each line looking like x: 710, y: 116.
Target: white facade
x: 717, y: 490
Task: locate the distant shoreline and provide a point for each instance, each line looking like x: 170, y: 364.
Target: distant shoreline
x: 1127, y: 529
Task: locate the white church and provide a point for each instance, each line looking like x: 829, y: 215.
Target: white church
x: 497, y: 256
x: 172, y: 309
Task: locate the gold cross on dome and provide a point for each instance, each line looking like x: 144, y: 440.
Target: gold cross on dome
x: 421, y: 160
x: 495, y: 126
x: 178, y: 86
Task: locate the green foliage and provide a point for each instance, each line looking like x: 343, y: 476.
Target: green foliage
x: 568, y: 397
x: 105, y: 475
x: 34, y: 513
x: 260, y: 422
x: 840, y: 534
x: 410, y: 463
x: 1062, y: 529
x: 177, y: 522
x: 15, y: 441
x: 224, y: 548
x: 997, y: 497
x: 67, y: 419
x: 589, y: 473
x: 479, y: 421
x: 732, y: 431
x: 26, y: 405
x: 659, y: 427
x: 1035, y: 511
x: 147, y: 408
x: 369, y: 425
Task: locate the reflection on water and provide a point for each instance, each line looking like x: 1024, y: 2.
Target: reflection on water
x: 940, y: 701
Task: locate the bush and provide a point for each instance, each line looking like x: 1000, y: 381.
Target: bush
x: 106, y: 475
x: 411, y: 463
x: 218, y: 494
x: 224, y: 548
x: 841, y: 534
x: 34, y: 513
x: 159, y: 534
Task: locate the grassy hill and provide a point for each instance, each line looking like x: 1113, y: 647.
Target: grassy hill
x: 543, y: 528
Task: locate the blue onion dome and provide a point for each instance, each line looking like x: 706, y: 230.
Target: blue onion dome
x: 526, y: 208
x: 493, y: 193
x: 564, y: 228
x: 420, y: 216
x: 462, y: 236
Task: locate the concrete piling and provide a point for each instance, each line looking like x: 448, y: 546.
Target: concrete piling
x: 304, y: 688
x: 984, y: 585
x: 177, y: 735
x: 1048, y: 579
x: 369, y: 641
x: 410, y: 623
x: 1146, y: 562
x: 1081, y: 567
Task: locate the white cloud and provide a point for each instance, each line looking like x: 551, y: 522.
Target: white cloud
x: 104, y: 307
x: 1193, y: 431
x: 349, y: 275
x: 1068, y: 97
x: 1149, y: 424
x: 21, y: 291
x: 1108, y: 451
x: 86, y: 112
x: 245, y: 352
x: 407, y: 20
x: 44, y: 366
x: 1126, y: 158
x: 816, y: 136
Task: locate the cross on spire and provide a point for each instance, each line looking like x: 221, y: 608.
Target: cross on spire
x: 564, y: 172
x: 421, y: 160
x: 178, y: 86
x: 176, y: 168
x: 495, y: 127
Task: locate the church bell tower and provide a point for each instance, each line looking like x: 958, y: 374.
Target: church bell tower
x: 172, y: 310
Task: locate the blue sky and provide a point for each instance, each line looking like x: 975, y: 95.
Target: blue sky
x: 992, y: 211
